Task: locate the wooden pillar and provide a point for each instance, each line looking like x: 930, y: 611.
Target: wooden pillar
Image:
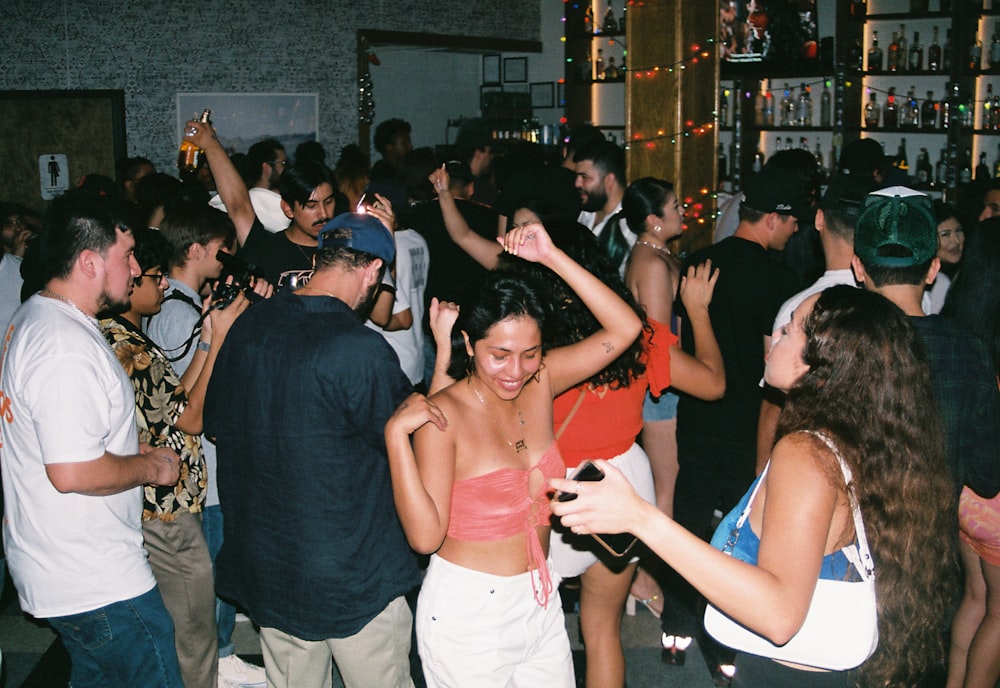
x: 671, y: 98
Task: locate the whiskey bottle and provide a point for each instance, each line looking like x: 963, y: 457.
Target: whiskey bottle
x: 873, y: 112
x: 875, y: 55
x: 916, y: 54
x: 599, y: 64
x: 928, y: 112
x: 893, y: 64
x: 903, y: 49
x: 190, y: 155
x: 610, y: 24
x: 934, y: 54
x: 891, y: 113
x: 924, y: 171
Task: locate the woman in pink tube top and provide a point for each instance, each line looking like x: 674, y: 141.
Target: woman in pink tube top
x: 472, y: 487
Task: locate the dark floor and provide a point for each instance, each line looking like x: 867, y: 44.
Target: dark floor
x: 33, y: 658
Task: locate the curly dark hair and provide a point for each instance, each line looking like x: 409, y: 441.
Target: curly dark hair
x: 571, y: 320
x: 868, y: 387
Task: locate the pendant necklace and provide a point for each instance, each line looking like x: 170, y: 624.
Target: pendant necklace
x: 656, y: 246
x: 518, y: 446
x: 62, y: 298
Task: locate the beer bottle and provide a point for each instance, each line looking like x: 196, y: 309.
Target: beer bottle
x: 190, y: 154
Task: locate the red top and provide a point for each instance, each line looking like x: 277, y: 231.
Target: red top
x: 608, y: 420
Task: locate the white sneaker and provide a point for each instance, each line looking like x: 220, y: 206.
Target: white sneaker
x: 235, y: 673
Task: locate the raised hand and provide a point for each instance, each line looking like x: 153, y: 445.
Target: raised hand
x: 698, y: 285
x: 529, y: 241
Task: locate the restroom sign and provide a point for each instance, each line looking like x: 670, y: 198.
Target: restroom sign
x: 53, y: 175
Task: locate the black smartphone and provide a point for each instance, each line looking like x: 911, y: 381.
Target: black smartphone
x: 617, y: 544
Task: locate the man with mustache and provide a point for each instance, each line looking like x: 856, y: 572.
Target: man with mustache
x: 307, y: 199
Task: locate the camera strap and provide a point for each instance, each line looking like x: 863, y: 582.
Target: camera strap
x: 185, y: 347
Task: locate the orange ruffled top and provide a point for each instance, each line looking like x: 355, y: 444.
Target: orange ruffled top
x: 608, y: 420
x: 499, y: 505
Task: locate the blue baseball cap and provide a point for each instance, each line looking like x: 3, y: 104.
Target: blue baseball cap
x: 364, y: 233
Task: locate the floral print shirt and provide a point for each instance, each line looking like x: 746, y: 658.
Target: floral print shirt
x: 160, y: 399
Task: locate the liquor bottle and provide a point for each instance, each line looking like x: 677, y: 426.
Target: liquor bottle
x: 941, y: 169
x: 873, y: 112
x: 769, y: 109
x: 803, y: 143
x: 789, y: 108
x: 916, y: 54
x: 928, y: 112
x: 995, y: 48
x: 890, y: 117
x: 189, y: 154
x: 968, y: 110
x: 803, y: 108
x: 724, y: 108
x: 758, y: 160
x: 950, y: 114
x: 965, y: 171
x: 893, y: 64
x: 946, y: 52
x: 856, y: 56
x: 902, y: 160
x: 924, y: 171
x: 723, y: 164
x: 788, y: 143
x: 934, y: 54
x: 875, y: 55
x: 599, y: 64
x: 611, y: 72
x: 826, y: 106
x: 609, y: 25
x: 903, y: 49
x: 987, y: 122
x: 913, y: 108
x: 982, y: 169
x: 779, y: 145
x: 975, y: 55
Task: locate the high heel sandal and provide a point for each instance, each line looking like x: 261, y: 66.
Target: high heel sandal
x: 674, y: 649
x: 647, y: 603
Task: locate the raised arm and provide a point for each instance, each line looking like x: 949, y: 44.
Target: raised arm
x: 570, y: 365
x: 422, y: 479
x: 442, y: 316
x: 771, y: 598
x: 230, y: 185
x: 483, y: 251
x: 701, y: 375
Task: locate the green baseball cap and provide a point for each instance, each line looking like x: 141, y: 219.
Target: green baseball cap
x: 896, y: 229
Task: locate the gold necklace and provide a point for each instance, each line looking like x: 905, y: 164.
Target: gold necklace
x: 518, y: 446
x: 318, y: 291
x: 652, y: 245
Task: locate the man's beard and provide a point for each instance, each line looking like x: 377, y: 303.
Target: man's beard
x: 595, y: 200
x: 109, y: 306
x: 364, y: 308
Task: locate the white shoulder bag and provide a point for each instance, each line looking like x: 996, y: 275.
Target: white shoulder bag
x: 841, y: 629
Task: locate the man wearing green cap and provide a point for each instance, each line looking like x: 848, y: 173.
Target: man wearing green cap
x: 895, y: 247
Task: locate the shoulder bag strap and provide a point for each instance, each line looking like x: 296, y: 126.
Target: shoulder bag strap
x: 576, y: 407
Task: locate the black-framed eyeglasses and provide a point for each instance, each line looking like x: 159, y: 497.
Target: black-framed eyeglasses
x: 157, y: 277
x: 283, y: 163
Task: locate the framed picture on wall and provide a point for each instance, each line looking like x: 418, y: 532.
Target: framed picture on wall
x: 542, y: 94
x: 491, y: 70
x: 243, y: 119
x: 515, y: 69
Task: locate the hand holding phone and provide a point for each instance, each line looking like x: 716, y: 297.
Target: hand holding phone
x: 618, y: 544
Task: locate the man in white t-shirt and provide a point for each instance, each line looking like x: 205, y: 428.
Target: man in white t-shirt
x: 72, y: 466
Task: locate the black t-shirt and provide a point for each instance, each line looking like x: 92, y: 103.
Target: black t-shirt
x: 451, y: 270
x: 275, y: 253
x: 751, y: 288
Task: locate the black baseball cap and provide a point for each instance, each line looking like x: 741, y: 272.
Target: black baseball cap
x: 774, y: 190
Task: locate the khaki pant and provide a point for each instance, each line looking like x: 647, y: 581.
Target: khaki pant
x: 179, y: 558
x: 377, y: 656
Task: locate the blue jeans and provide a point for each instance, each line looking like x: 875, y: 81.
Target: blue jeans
x: 126, y: 644
x: 225, y: 613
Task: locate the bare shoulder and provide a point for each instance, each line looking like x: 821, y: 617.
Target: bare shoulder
x: 806, y: 456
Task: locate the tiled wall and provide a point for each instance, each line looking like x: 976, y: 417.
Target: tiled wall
x: 153, y: 49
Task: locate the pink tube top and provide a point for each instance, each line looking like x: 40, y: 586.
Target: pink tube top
x: 499, y: 505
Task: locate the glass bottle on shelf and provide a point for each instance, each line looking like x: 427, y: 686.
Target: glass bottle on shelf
x: 987, y: 121
x: 875, y: 55
x: 903, y: 49
x: 789, y: 108
x: 913, y: 108
x: 975, y: 55
x: 855, y: 56
x: 951, y: 115
x: 928, y: 112
x: 611, y: 72
x: 189, y: 154
x: 758, y: 160
x: 610, y: 24
x: 826, y: 106
x: 934, y: 53
x: 982, y: 169
x: 893, y: 63
x: 916, y: 62
x: 995, y: 48
x: 769, y: 109
x: 803, y: 108
x: 995, y: 113
x: 902, y: 160
x: 890, y: 115
x: 599, y: 64
x: 968, y: 110
x: 873, y: 112
x: 779, y: 145
x: 965, y: 171
x: 788, y: 143
x: 946, y: 52
x: 941, y: 169
x: 924, y: 170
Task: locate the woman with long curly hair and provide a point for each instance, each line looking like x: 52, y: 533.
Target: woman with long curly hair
x: 857, y: 428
